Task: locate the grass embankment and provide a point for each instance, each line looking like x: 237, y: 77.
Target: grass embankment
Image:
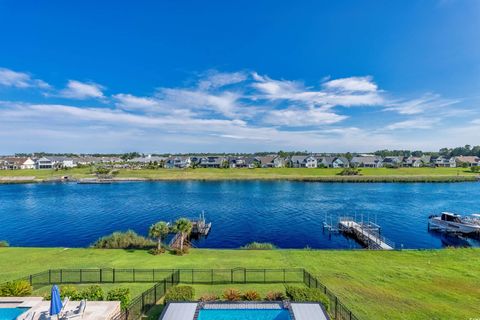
x: 301, y: 174
x: 431, y: 284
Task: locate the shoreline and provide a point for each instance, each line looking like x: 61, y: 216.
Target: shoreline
x: 328, y: 179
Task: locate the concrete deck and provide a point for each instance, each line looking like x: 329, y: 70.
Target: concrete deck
x: 180, y: 311
x: 95, y: 310
x: 308, y: 311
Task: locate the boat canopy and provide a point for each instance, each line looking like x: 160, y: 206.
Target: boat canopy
x: 447, y: 216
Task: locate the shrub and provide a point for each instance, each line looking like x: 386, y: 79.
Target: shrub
x: 350, y: 172
x: 251, y: 295
x: 475, y: 169
x: 69, y: 291
x: 123, y: 240
x: 180, y: 293
x: 232, y: 295
x: 274, y: 296
x: 17, y: 288
x: 307, y: 295
x: 209, y: 297
x: 119, y: 294
x: 3, y: 244
x: 156, y: 251
x: 92, y: 293
x: 259, y: 246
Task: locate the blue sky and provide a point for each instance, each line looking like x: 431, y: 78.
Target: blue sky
x: 219, y: 76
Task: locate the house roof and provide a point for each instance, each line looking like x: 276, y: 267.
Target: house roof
x: 468, y: 159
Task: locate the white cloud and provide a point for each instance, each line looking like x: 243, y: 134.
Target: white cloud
x: 420, y: 123
x: 215, y: 79
x: 82, y: 90
x: 428, y: 102
x: 359, y: 84
x: 296, y: 117
x: 10, y: 78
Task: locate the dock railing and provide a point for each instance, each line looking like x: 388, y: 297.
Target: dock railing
x: 166, y: 278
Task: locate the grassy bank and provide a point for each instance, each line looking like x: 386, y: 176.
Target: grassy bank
x: 432, y: 284
x: 302, y: 174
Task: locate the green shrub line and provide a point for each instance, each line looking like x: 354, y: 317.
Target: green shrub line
x: 180, y: 293
x: 259, y: 246
x: 123, y: 240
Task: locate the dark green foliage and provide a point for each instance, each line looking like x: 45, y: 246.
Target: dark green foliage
x: 92, y: 293
x: 259, y: 246
x: 274, y: 296
x: 180, y: 293
x: 123, y: 240
x: 17, y: 288
x: 300, y: 294
x: 119, y: 294
x: 69, y: 291
x: 3, y: 244
x: 475, y: 168
x: 350, y: 172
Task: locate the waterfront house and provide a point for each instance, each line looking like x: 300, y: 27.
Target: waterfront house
x: 470, y: 161
x: 326, y: 162
x: 417, y: 162
x: 212, y: 162
x: 178, y: 162
x: 340, y: 162
x: 367, y: 161
x: 28, y: 164
x: 271, y: 161
x: 303, y: 162
x: 62, y: 162
x: 43, y: 163
x: 395, y: 161
x: 144, y: 161
x: 448, y: 162
x: 15, y: 163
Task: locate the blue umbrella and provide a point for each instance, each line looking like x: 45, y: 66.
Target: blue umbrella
x: 55, y: 301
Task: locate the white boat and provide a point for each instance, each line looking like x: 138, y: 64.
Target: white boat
x: 451, y: 222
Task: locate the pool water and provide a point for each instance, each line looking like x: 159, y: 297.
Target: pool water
x: 11, y: 313
x: 243, y: 314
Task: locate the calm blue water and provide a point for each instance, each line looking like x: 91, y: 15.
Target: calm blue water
x: 244, y: 314
x: 11, y: 313
x: 289, y: 214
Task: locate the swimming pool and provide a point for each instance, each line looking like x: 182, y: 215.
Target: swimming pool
x: 244, y: 314
x: 11, y: 313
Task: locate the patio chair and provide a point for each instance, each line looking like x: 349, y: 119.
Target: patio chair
x: 29, y: 316
x: 64, y: 305
x: 77, y: 312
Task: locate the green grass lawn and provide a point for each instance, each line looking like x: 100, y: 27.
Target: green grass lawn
x: 321, y: 174
x: 430, y: 284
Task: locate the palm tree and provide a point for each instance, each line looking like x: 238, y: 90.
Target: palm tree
x: 184, y: 227
x: 158, y: 231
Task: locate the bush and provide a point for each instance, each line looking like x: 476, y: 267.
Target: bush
x: 17, y: 288
x: 69, y: 291
x: 123, y: 240
x: 475, y: 168
x: 180, y: 293
x: 350, y: 172
x: 259, y: 246
x: 3, y: 244
x: 251, y: 295
x: 119, y: 294
x: 232, y: 295
x: 156, y: 251
x: 209, y: 297
x: 92, y: 293
x: 274, y: 296
x: 307, y: 295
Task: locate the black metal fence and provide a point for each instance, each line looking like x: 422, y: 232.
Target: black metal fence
x: 166, y: 278
x: 337, y: 309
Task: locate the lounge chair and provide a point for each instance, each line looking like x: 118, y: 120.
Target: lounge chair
x: 29, y: 316
x: 64, y: 305
x: 77, y: 312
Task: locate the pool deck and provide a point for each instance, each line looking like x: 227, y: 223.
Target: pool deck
x: 187, y: 310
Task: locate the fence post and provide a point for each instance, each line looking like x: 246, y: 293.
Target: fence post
x: 49, y: 276
x: 155, y: 293
x: 336, y: 307
x: 193, y: 277
x: 133, y: 274
x: 113, y: 276
x: 165, y: 286
x: 244, y: 275
x: 101, y: 275
x: 153, y: 274
x: 284, y: 279
x: 31, y: 280
x: 350, y: 315
x: 143, y: 301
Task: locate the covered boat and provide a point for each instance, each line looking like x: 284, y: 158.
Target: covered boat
x: 451, y: 222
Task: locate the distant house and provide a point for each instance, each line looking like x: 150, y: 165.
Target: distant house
x: 178, y: 162
x: 367, y: 161
x: 395, y: 161
x: 43, y: 163
x: 471, y: 161
x: 326, y: 162
x: 237, y: 162
x: 16, y: 163
x: 340, y: 162
x: 303, y: 162
x: 212, y: 162
x: 417, y: 162
x: 143, y: 161
x: 62, y: 162
x: 28, y: 164
x: 270, y: 161
x: 442, y: 161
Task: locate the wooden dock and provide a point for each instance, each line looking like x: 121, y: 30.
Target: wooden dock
x: 368, y: 233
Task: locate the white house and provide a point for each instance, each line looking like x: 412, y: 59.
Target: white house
x: 28, y: 164
x: 43, y: 163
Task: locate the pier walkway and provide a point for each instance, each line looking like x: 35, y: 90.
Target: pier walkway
x: 368, y: 233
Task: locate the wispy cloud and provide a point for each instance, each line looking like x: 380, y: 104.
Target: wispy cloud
x: 10, y: 78
x: 418, y: 123
x: 427, y: 103
x: 82, y: 90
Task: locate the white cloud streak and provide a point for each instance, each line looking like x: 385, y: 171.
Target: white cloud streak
x: 10, y: 78
x: 82, y: 90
